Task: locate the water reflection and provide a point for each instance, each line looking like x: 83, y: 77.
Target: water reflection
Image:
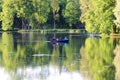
x: 38, y: 73
x: 30, y: 56
x: 116, y: 62
x: 19, y: 61
x: 8, y: 50
x: 97, y: 59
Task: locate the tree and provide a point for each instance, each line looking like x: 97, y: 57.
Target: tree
x: 99, y: 16
x: 33, y: 12
x: 40, y: 14
x: 84, y: 8
x: 1, y: 2
x: 117, y: 14
x: 24, y: 10
x: 72, y: 12
x: 7, y: 14
x: 61, y: 11
x: 55, y: 8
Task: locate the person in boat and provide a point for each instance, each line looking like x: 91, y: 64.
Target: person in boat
x: 57, y: 39
x: 65, y: 38
x: 53, y: 39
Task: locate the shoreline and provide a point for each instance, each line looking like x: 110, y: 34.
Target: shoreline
x: 55, y: 30
x: 83, y: 31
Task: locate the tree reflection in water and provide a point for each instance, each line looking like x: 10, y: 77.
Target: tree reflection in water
x: 18, y: 62
x: 97, y: 59
x: 116, y: 62
x: 92, y: 58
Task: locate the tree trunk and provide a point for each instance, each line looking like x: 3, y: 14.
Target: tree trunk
x: 54, y: 19
x: 22, y: 23
x: 114, y: 30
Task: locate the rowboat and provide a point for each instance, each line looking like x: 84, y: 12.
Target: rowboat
x: 60, y: 41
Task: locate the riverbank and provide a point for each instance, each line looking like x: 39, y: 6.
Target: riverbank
x: 83, y: 31
x: 115, y: 35
x: 55, y: 30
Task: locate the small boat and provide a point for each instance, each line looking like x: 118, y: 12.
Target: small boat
x: 62, y: 41
x: 65, y: 40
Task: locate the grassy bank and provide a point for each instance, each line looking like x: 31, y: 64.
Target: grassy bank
x: 55, y: 30
x: 115, y: 35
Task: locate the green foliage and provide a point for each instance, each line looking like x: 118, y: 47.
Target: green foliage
x: 40, y: 13
x: 0, y: 10
x: 55, y: 8
x: 55, y: 5
x: 35, y: 13
x: 72, y: 12
x: 84, y: 7
x: 117, y: 14
x: 98, y: 15
x: 7, y: 14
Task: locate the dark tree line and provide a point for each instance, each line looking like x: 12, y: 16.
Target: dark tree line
x: 99, y: 16
x: 37, y: 13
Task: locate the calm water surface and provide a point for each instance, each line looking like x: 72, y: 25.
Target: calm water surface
x: 31, y: 56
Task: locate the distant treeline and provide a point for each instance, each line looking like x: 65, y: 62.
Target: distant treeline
x: 37, y: 13
x: 98, y: 16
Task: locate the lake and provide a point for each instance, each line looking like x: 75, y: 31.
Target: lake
x: 31, y: 56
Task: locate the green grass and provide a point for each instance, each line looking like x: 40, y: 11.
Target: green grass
x: 56, y: 30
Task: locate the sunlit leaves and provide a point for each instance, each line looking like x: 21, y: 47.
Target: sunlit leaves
x: 8, y: 14
x: 55, y: 5
x: 40, y: 13
x: 72, y: 12
x: 32, y: 12
x: 98, y: 16
x: 117, y: 14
